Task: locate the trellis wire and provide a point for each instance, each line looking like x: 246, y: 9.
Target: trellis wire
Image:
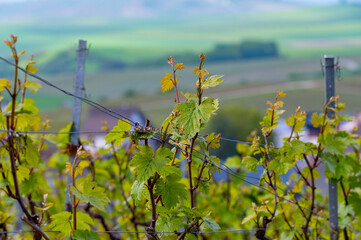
x: 166, y: 232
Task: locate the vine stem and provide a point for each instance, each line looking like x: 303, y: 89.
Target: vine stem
x: 183, y: 234
x: 36, y: 228
x: 13, y: 170
x: 189, y: 160
x: 150, y: 186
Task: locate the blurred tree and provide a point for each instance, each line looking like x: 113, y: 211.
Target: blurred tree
x: 235, y: 122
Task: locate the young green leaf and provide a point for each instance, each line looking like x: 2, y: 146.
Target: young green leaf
x: 22, y: 173
x: 192, y: 114
x: 63, y: 139
x: 83, y: 221
x: 146, y: 163
x: 211, y: 224
x: 89, y: 192
x: 137, y: 191
x: 32, y: 154
x: 4, y: 83
x: 250, y: 163
x: 171, y: 189
x: 212, y: 81
x: 169, y: 225
x: 118, y: 133
x: 4, y: 182
x: 32, y: 86
x: 213, y: 140
x: 85, y: 235
x: 61, y: 222
x: 31, y: 68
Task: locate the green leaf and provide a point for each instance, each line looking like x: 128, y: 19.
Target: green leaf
x: 171, y: 189
x: 22, y: 173
x: 317, y: 119
x: 213, y: 140
x: 63, y: 139
x: 249, y: 217
x: 354, y: 181
x: 18, y: 107
x: 30, y: 68
x: 337, y: 166
x: 281, y: 167
x: 190, y: 212
x: 85, y: 235
x: 287, y: 235
x: 146, y: 163
x: 211, y: 224
x: 137, y: 191
x: 355, y: 199
x: 234, y: 161
x: 89, y: 192
x: 118, y: 133
x: 32, y: 86
x: 61, y: 222
x: 168, y: 225
x: 336, y: 144
x: 212, y: 81
x: 83, y: 221
x: 330, y: 163
x: 32, y: 154
x: 191, y: 236
x: 4, y: 83
x: 4, y: 182
x: 191, y: 114
x: 250, y: 163
x: 344, y: 214
x: 25, y: 121
x: 35, y: 183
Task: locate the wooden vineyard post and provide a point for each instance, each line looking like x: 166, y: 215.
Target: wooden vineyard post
x: 78, y: 91
x: 329, y: 66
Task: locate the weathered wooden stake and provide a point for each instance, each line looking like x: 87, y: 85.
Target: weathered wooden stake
x: 78, y: 91
x: 332, y: 187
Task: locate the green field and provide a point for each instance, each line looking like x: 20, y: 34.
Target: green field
x: 298, y: 33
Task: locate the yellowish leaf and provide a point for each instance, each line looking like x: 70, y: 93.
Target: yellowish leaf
x: 32, y: 86
x: 270, y: 103
x: 22, y: 53
x: 167, y: 82
x: 8, y: 43
x: 30, y: 68
x: 79, y: 169
x: 82, y: 154
x: 180, y: 66
x: 46, y: 206
x: 278, y: 104
x: 281, y: 94
x: 68, y: 167
x: 4, y: 83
